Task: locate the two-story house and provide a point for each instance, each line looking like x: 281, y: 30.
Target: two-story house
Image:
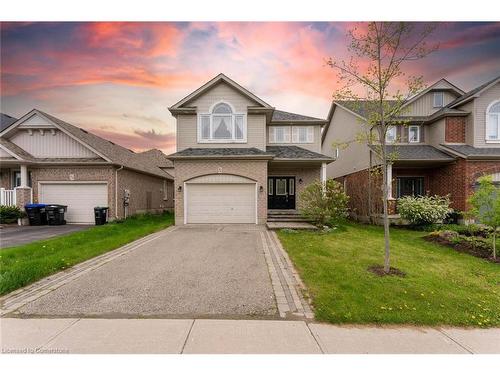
x: 449, y: 138
x: 239, y: 158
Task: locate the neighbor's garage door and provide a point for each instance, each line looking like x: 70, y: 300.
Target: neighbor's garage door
x: 220, y: 203
x: 81, y: 198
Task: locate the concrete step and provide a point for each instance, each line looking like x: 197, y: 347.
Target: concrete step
x: 288, y: 219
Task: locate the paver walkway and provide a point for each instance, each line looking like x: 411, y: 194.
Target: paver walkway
x: 233, y: 336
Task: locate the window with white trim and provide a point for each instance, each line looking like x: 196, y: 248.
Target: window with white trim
x: 291, y: 134
x: 438, y: 101
x: 493, y: 122
x: 390, y: 135
x: 222, y: 125
x: 414, y: 134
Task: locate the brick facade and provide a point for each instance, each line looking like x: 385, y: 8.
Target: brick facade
x: 456, y: 179
x: 455, y: 129
x: 253, y: 169
x: 141, y: 186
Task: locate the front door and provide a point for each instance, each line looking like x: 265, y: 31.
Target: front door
x: 281, y: 193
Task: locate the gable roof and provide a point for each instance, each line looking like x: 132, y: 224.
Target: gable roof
x: 109, y: 151
x: 473, y: 93
x: 16, y: 151
x: 283, y: 116
x: 435, y: 87
x: 6, y: 121
x: 215, y: 81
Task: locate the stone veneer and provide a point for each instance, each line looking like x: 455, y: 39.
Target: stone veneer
x: 253, y: 169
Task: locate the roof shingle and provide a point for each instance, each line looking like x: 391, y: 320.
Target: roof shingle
x: 288, y: 116
x: 417, y: 152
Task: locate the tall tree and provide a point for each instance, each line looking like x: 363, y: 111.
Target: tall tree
x: 378, y: 56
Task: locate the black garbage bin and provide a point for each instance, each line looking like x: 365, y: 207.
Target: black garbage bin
x: 37, y: 214
x: 101, y: 215
x: 55, y: 214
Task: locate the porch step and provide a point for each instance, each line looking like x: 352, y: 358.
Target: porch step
x: 298, y: 219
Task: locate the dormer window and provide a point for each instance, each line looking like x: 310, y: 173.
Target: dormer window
x: 438, y: 99
x: 222, y: 125
x: 493, y: 122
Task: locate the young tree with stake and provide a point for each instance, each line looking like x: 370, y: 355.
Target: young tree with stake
x: 384, y: 48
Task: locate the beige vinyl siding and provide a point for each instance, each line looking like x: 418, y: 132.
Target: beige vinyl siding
x: 315, y: 146
x: 187, y: 135
x: 435, y: 132
x: 344, y: 127
x: 480, y: 105
x: 424, y: 106
x: 48, y: 145
x: 4, y: 154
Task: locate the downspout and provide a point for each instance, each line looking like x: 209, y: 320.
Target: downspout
x: 116, y: 191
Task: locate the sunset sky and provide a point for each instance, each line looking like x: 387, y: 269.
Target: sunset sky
x: 117, y: 79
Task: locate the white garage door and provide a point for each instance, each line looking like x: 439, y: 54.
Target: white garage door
x: 81, y: 198
x: 220, y: 203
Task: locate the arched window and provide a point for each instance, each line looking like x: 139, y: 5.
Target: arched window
x: 493, y: 122
x: 222, y: 125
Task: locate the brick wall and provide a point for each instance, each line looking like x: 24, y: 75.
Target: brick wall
x: 361, y: 193
x: 455, y: 129
x: 252, y: 169
x: 140, y: 185
x: 77, y: 173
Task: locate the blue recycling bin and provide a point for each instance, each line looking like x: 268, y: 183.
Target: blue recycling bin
x: 37, y: 214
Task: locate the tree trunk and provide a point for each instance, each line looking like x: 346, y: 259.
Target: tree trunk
x: 385, y: 191
x: 495, y: 244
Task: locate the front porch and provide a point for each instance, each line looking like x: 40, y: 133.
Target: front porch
x: 15, y: 189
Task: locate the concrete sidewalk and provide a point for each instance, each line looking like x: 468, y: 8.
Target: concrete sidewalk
x: 233, y: 336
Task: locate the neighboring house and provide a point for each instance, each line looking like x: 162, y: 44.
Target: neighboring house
x: 44, y: 159
x: 238, y: 158
x: 450, y: 138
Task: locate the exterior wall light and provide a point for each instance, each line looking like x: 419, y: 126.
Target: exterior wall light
x: 300, y: 181
x: 179, y: 188
x: 261, y: 188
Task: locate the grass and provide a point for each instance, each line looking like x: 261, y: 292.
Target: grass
x: 441, y: 287
x: 25, y: 264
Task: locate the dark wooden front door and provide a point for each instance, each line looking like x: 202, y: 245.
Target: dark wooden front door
x: 281, y: 193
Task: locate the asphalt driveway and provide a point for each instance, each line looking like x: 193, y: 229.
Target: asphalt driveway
x: 14, y: 235
x: 199, y: 271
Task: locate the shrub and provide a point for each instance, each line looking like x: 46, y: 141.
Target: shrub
x: 324, y: 205
x: 424, y: 210
x: 9, y: 214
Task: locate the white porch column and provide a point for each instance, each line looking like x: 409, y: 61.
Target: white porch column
x: 24, y: 176
x: 323, y: 174
x: 389, y: 181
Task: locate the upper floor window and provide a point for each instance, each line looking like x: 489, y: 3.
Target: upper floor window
x: 390, y: 135
x: 438, y: 99
x: 414, y: 134
x: 493, y: 122
x: 291, y: 134
x: 222, y: 125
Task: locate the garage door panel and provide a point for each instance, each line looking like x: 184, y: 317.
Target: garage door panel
x: 220, y: 203
x: 80, y: 198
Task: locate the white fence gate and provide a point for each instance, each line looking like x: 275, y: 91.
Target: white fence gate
x: 7, y: 197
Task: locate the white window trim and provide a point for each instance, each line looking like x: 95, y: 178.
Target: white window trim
x: 293, y: 131
x: 440, y: 93
x: 491, y: 140
x: 390, y: 128
x: 418, y: 133
x: 233, y: 115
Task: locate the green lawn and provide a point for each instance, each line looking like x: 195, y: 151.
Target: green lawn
x: 441, y: 287
x: 22, y: 265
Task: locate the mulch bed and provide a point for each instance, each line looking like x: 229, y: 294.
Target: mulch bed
x: 379, y: 271
x: 463, y: 247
